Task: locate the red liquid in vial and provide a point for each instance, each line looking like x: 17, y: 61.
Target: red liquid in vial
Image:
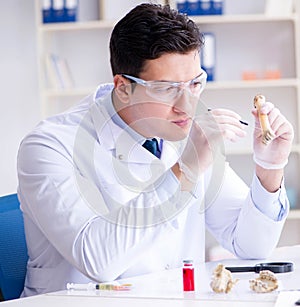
x: 188, y: 277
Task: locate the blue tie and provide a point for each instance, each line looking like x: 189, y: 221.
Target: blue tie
x: 152, y: 146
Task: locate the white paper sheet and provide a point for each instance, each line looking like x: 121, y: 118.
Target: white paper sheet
x: 287, y: 298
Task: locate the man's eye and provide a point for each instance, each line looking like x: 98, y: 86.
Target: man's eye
x: 162, y: 88
x: 196, y: 84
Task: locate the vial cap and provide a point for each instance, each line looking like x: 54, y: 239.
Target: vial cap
x: 188, y: 261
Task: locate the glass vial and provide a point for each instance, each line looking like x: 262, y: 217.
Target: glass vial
x: 188, y: 275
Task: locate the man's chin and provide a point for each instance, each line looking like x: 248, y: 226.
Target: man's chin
x: 175, y: 137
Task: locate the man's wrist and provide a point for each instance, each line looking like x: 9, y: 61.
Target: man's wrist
x: 270, y: 179
x: 270, y: 166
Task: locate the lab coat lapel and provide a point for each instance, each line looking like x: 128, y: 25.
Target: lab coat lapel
x: 171, y: 152
x: 126, y: 148
x: 103, y: 125
x: 115, y: 138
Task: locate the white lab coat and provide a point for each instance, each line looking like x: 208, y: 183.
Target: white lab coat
x: 84, y: 222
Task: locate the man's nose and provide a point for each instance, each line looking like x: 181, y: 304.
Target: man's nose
x: 184, y: 102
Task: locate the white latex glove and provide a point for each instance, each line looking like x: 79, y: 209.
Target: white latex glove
x: 275, y: 154
x: 206, y: 140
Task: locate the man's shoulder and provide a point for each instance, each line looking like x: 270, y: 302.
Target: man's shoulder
x: 86, y: 120
x: 76, y: 114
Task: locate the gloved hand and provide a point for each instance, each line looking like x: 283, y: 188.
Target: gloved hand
x: 206, y: 140
x: 275, y: 154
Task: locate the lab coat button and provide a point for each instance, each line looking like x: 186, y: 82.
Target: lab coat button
x: 120, y: 157
x: 167, y: 267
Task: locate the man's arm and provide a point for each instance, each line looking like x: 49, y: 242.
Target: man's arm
x: 96, y: 224
x: 270, y: 179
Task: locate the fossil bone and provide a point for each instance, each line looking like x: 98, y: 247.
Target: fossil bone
x: 266, y: 282
x: 222, y: 280
x: 267, y: 132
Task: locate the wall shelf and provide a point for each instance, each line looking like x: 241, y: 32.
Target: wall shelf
x: 294, y: 214
x: 76, y: 26
x: 87, y: 52
x: 57, y: 93
x: 219, y: 85
x: 245, y: 18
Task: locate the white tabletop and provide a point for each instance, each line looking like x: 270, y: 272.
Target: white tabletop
x: 165, y: 289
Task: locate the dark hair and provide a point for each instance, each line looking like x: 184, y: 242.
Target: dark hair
x: 147, y: 32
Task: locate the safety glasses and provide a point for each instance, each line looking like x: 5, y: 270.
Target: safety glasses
x: 167, y: 90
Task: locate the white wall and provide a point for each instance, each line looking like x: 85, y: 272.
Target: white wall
x: 18, y: 83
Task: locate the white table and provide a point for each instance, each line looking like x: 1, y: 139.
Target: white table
x: 165, y: 289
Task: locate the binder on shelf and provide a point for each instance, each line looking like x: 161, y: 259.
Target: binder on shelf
x: 182, y: 6
x: 46, y: 7
x: 208, y: 55
x: 216, y: 7
x: 204, y: 7
x: 58, y: 10
x: 200, y: 7
x: 58, y: 73
x: 193, y: 7
x: 70, y: 10
x: 65, y: 73
x: 51, y: 76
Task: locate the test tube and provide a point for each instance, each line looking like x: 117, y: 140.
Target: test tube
x: 188, y: 275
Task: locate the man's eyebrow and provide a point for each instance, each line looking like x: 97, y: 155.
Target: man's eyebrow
x: 198, y: 76
x: 179, y: 81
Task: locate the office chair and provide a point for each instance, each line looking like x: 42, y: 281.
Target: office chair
x: 13, y: 250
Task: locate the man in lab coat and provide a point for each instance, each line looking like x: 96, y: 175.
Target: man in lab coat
x: 99, y: 205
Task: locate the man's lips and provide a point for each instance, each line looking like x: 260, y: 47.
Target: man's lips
x: 181, y: 122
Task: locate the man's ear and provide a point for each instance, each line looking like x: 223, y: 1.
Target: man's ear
x: 122, y: 88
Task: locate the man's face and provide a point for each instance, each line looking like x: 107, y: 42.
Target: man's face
x: 157, y: 109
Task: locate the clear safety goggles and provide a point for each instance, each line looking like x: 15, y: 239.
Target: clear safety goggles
x: 167, y: 90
